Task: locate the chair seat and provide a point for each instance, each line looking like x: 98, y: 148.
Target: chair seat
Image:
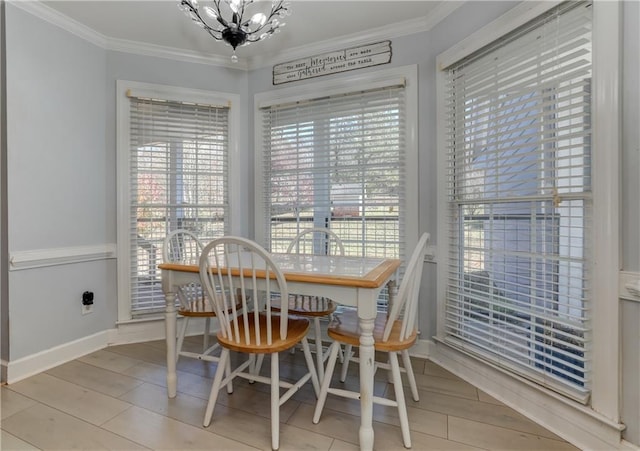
x: 307, y: 305
x: 297, y: 329
x: 344, y: 328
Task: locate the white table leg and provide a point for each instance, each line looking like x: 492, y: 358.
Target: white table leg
x: 367, y: 359
x: 170, y: 336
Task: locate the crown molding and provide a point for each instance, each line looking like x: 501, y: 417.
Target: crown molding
x: 394, y: 30
x: 42, y: 11
x: 418, y: 25
x: 187, y: 56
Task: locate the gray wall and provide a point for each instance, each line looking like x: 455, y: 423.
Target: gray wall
x: 58, y: 182
x: 62, y: 171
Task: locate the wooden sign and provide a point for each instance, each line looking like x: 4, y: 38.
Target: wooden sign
x: 333, y: 62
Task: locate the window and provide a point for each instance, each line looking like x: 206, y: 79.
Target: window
x: 176, y: 170
x: 519, y: 201
x: 339, y: 160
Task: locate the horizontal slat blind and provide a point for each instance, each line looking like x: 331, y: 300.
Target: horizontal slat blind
x: 518, y: 144
x: 337, y: 162
x: 178, y: 179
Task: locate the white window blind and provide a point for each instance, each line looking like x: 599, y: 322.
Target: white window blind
x: 337, y: 162
x: 519, y: 198
x: 178, y: 179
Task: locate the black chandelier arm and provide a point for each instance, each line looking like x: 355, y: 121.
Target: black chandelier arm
x: 275, y: 11
x: 198, y: 18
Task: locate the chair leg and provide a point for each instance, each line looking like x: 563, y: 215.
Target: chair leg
x: 399, y: 392
x: 275, y: 402
x: 215, y: 388
x: 181, y: 334
x: 205, y: 339
x: 319, y: 353
x: 324, y: 388
x: 406, y: 361
x: 259, y: 361
x: 310, y: 366
x: 226, y: 374
x: 345, y: 363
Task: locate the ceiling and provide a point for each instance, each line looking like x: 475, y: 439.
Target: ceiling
x: 334, y: 23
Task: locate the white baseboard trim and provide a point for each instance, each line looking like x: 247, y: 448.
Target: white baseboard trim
x: 421, y: 349
x: 141, y: 331
x: 41, y: 361
x: 578, y: 424
x: 133, y: 332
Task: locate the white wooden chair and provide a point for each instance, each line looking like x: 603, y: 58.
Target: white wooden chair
x: 184, y: 247
x: 317, y: 240
x: 255, y: 329
x: 394, y: 333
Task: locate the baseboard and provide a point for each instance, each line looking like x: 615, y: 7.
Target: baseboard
x: 22, y: 368
x: 575, y: 423
x: 138, y: 331
x: 421, y: 349
x: 131, y: 332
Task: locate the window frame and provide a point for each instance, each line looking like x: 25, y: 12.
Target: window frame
x: 344, y: 85
x: 173, y: 93
x: 605, y: 168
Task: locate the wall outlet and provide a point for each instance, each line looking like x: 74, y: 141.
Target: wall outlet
x: 87, y: 302
x: 86, y: 309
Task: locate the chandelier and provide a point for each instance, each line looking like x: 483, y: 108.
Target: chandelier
x: 236, y: 30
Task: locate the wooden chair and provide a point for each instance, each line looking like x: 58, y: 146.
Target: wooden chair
x: 255, y: 329
x: 317, y: 240
x: 394, y: 333
x: 183, y: 246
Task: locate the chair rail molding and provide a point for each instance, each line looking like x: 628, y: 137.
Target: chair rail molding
x: 38, y: 258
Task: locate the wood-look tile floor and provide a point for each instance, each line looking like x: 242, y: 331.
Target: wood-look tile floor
x: 116, y: 399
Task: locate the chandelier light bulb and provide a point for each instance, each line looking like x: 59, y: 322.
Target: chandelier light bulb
x: 259, y: 19
x: 235, y: 30
x: 211, y: 12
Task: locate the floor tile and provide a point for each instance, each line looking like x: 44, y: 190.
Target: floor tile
x: 92, y: 377
x: 444, y: 385
x: 109, y: 360
x: 12, y: 402
x: 501, y: 416
x: 10, y: 442
x: 123, y: 388
x: 497, y: 438
x: 80, y: 402
x: 159, y: 432
x: 48, y: 428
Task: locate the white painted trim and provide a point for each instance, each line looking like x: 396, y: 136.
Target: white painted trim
x: 420, y: 24
x: 140, y: 331
x: 627, y: 277
x: 583, y: 427
x: 442, y: 245
x: 172, y: 53
x: 309, y: 91
x: 50, y: 15
x: 512, y: 19
x: 36, y: 363
x: 122, y: 173
x: 38, y: 258
x: 605, y: 353
x: 605, y: 154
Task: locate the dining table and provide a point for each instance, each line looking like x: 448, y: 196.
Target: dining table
x: 350, y: 281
